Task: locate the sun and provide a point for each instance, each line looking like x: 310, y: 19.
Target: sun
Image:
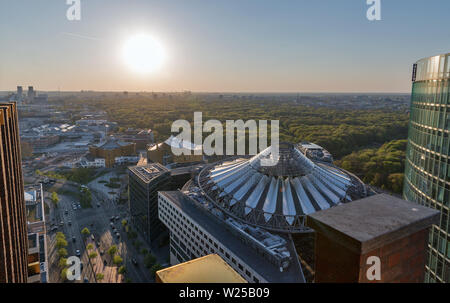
x: 143, y: 54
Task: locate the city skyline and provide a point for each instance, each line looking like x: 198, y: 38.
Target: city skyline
x: 243, y: 46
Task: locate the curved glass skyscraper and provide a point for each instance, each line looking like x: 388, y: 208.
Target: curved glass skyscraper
x: 427, y: 172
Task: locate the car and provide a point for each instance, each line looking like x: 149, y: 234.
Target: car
x: 66, y: 212
x: 116, y: 217
x: 79, y: 206
x: 77, y: 253
x: 92, y: 237
x: 61, y: 223
x: 98, y: 204
x: 112, y: 218
x: 74, y: 239
x: 98, y: 243
x: 55, y: 228
x: 134, y: 261
x: 74, y: 208
x: 117, y: 235
x: 112, y: 224
x: 102, y: 252
x: 70, y: 223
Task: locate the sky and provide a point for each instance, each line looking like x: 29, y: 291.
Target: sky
x: 221, y: 45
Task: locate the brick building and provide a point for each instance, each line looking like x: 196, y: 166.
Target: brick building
x: 111, y: 149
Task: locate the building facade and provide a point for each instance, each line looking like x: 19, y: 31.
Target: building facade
x: 256, y: 255
x: 427, y: 169
x: 13, y: 223
x: 144, y: 184
x: 111, y: 149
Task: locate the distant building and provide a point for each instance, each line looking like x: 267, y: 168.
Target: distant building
x: 31, y: 94
x: 315, y: 152
x: 141, y: 137
x: 19, y: 94
x: 111, y: 149
x: 13, y: 223
x: 427, y: 165
x: 208, y: 269
x: 90, y: 162
x: 162, y: 152
x: 144, y: 184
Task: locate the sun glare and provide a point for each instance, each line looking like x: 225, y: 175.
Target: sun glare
x: 143, y: 54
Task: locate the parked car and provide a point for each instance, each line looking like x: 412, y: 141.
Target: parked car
x: 66, y: 212
x: 134, y: 261
x: 98, y: 243
x: 61, y: 223
x: 77, y: 253
x: 74, y: 239
x: 117, y: 235
x: 70, y: 223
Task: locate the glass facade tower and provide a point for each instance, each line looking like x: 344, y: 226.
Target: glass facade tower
x: 427, y: 169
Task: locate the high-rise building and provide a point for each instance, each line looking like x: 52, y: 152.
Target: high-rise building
x: 13, y: 223
x: 144, y: 184
x: 427, y: 172
x: 19, y: 94
x: 31, y: 94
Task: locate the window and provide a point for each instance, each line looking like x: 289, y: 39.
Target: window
x: 248, y: 273
x: 233, y: 260
x: 241, y: 267
x: 227, y: 255
x: 256, y: 280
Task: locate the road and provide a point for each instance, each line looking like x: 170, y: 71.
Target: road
x: 97, y: 220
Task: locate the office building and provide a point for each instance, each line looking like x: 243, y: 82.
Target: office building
x: 31, y: 94
x: 19, y: 94
x: 13, y: 223
x: 144, y: 184
x: 427, y: 169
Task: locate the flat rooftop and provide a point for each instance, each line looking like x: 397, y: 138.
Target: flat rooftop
x: 207, y: 269
x: 366, y: 223
x: 148, y: 172
x: 219, y: 230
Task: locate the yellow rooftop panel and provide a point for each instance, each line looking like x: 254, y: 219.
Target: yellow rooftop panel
x: 207, y: 269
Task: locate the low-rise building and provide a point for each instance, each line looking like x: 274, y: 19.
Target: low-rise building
x: 163, y: 152
x: 112, y: 148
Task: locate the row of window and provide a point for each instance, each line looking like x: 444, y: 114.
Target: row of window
x: 198, y: 241
x: 431, y: 116
x: 434, y: 164
x: 429, y: 186
x: 435, y: 92
x: 438, y: 260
